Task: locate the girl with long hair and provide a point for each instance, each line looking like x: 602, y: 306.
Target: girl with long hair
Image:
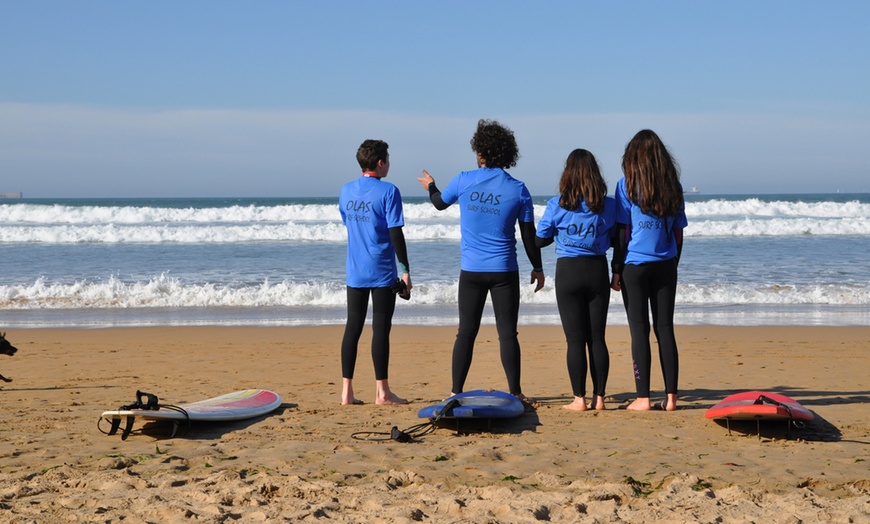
x: 581, y: 221
x: 650, y: 213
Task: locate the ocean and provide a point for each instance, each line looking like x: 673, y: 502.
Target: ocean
x: 89, y: 263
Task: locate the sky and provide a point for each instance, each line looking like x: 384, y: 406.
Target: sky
x: 272, y: 98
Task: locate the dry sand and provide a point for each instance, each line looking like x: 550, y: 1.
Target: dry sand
x: 300, y: 464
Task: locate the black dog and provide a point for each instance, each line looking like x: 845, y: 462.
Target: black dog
x: 6, y: 349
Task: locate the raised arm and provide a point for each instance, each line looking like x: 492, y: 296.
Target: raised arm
x: 428, y: 184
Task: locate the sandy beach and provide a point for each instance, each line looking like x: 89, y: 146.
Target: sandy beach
x: 300, y: 463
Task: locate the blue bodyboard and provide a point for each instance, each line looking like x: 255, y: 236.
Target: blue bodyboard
x: 476, y: 404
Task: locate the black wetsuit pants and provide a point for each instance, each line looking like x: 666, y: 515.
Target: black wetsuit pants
x: 505, y: 290
x: 645, y: 287
x: 583, y: 297
x: 383, y: 306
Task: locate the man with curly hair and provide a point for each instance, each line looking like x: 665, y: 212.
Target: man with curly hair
x: 491, y: 203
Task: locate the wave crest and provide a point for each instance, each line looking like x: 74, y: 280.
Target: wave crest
x: 167, y: 292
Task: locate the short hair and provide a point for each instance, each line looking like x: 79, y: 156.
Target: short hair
x: 370, y: 152
x: 495, y: 143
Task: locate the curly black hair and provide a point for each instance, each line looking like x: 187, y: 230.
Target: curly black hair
x: 496, y: 144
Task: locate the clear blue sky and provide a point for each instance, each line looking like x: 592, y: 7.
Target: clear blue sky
x: 268, y: 98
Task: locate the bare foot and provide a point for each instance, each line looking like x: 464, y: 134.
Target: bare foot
x: 639, y: 404
x: 579, y: 404
x: 347, y: 396
x: 599, y: 403
x: 390, y: 399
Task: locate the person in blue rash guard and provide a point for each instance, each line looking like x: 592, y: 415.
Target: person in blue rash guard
x: 491, y: 202
x: 371, y: 209
x: 581, y: 220
x: 651, y: 216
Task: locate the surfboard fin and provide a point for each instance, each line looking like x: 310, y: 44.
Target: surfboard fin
x: 763, y: 399
x: 116, y: 423
x: 128, y: 428
x: 447, y: 410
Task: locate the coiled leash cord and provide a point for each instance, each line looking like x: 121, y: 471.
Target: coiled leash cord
x: 410, y: 434
x: 144, y: 402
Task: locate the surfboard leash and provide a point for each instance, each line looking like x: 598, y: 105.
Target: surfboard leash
x: 764, y: 399
x: 145, y: 402
x: 410, y: 434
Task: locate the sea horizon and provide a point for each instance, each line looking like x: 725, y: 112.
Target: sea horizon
x: 687, y: 194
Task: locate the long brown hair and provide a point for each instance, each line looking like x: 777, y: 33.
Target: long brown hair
x: 652, y: 176
x: 581, y: 180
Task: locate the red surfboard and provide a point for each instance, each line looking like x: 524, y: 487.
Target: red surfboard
x: 758, y: 405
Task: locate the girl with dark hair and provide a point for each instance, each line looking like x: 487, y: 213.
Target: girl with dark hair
x: 492, y: 202
x: 581, y: 220
x: 650, y: 213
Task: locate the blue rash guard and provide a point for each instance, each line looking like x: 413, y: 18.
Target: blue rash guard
x: 369, y: 208
x: 491, y: 202
x: 578, y: 233
x: 652, y: 238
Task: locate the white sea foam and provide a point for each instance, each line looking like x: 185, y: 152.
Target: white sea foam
x: 321, y: 223
x: 828, y: 294
x: 163, y: 292
x: 64, y: 214
x: 31, y: 213
x: 80, y: 264
x: 755, y: 227
x: 755, y: 207
x: 294, y: 231
x: 171, y: 233
x: 57, y: 214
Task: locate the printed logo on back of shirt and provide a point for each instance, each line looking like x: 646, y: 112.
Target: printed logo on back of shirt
x: 650, y: 224
x: 484, y: 204
x: 358, y: 210
x: 580, y: 231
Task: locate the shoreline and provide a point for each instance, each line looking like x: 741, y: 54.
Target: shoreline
x: 410, y: 315
x: 300, y: 462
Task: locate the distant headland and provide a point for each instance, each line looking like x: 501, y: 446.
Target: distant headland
x: 11, y: 194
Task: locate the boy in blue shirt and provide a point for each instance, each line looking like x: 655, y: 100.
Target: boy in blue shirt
x: 371, y: 209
